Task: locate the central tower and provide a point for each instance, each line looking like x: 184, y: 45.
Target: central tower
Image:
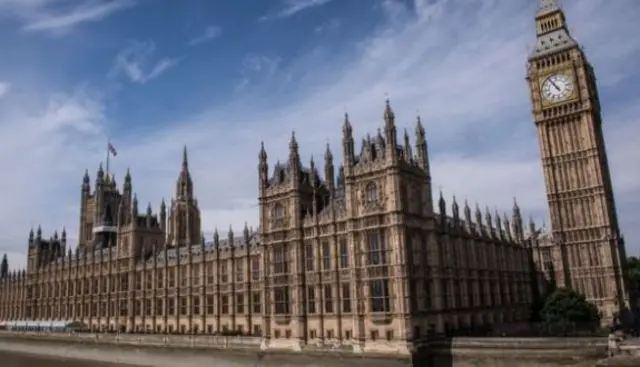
x: 588, y: 250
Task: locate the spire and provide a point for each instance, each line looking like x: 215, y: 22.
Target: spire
x: 293, y: 145
x: 347, y: 130
x: 294, y: 156
x: 86, y: 181
x: 185, y: 160
x: 467, y: 212
x: 329, y: 170
x: 245, y: 232
x: 443, y: 205
x: 263, y: 153
x: 390, y: 132
x: 4, y: 266
x: 134, y: 209
x: 184, y: 185
x: 548, y: 6
x: 389, y: 116
x: 551, y: 30
x: 455, y: 210
x: 422, y: 151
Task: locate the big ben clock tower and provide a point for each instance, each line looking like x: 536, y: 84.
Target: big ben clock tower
x: 588, y: 251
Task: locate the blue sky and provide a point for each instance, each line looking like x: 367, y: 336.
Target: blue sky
x: 220, y: 76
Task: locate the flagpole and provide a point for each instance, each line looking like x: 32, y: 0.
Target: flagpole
x: 108, y: 154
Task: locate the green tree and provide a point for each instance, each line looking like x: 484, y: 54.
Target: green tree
x: 633, y: 266
x: 565, y: 306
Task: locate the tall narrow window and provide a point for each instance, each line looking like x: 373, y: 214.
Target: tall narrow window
x: 310, y: 259
x: 311, y: 299
x: 346, y: 297
x: 376, y: 249
x: 255, y: 268
x: 328, y: 298
x: 326, y: 256
x: 344, y: 253
x: 281, y: 297
x: 280, y: 265
x: 379, y: 295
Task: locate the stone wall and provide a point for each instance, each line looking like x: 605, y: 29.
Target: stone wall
x: 458, y: 352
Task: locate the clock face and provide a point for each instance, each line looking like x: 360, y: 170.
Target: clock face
x: 557, y: 88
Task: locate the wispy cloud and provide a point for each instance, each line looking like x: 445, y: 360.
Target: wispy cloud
x: 257, y: 69
x: 4, y: 88
x: 60, y: 16
x: 293, y: 7
x: 135, y: 62
x: 328, y: 26
x: 209, y: 33
x: 460, y: 63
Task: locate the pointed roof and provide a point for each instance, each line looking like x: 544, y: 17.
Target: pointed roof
x: 547, y: 6
x: 556, y: 39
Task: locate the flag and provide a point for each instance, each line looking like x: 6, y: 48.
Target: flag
x: 112, y: 150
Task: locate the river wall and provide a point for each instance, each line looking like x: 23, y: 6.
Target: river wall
x: 196, y: 351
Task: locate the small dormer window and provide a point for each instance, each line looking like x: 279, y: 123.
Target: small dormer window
x: 371, y: 193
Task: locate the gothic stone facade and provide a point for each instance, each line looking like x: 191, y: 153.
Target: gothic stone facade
x: 361, y: 256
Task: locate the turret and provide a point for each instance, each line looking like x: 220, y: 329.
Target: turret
x: 263, y: 168
x: 408, y: 154
x: 294, y: 160
x: 467, y: 215
x: 163, y: 215
x: 4, y: 267
x: 134, y: 210
x: 455, y: 211
x: 148, y: 216
x: 127, y: 186
x: 216, y: 239
x: 518, y: 232
x: 348, y: 145
x: 443, y: 209
x: 507, y: 227
x: 245, y: 233
x: 31, y: 237
x: 479, y: 227
x: 329, y: 173
x: 390, y: 132
x: 184, y: 185
x: 422, y: 152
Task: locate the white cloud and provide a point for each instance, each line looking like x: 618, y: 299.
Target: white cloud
x: 133, y: 61
x: 61, y: 15
x: 4, y: 88
x: 462, y: 67
x: 211, y: 32
x: 293, y: 7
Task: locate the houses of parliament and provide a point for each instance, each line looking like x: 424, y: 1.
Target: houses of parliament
x: 360, y: 252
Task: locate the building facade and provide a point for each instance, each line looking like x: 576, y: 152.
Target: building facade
x: 361, y: 253
x: 587, y: 251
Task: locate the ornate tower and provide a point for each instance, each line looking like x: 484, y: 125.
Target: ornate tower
x: 566, y: 109
x: 184, y: 215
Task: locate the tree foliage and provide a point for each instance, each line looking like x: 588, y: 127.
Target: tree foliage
x: 633, y: 266
x: 566, y: 306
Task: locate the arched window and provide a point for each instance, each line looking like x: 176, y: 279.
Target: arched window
x: 371, y: 192
x: 278, y: 212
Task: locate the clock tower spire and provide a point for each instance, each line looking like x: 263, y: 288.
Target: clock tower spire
x: 588, y: 252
